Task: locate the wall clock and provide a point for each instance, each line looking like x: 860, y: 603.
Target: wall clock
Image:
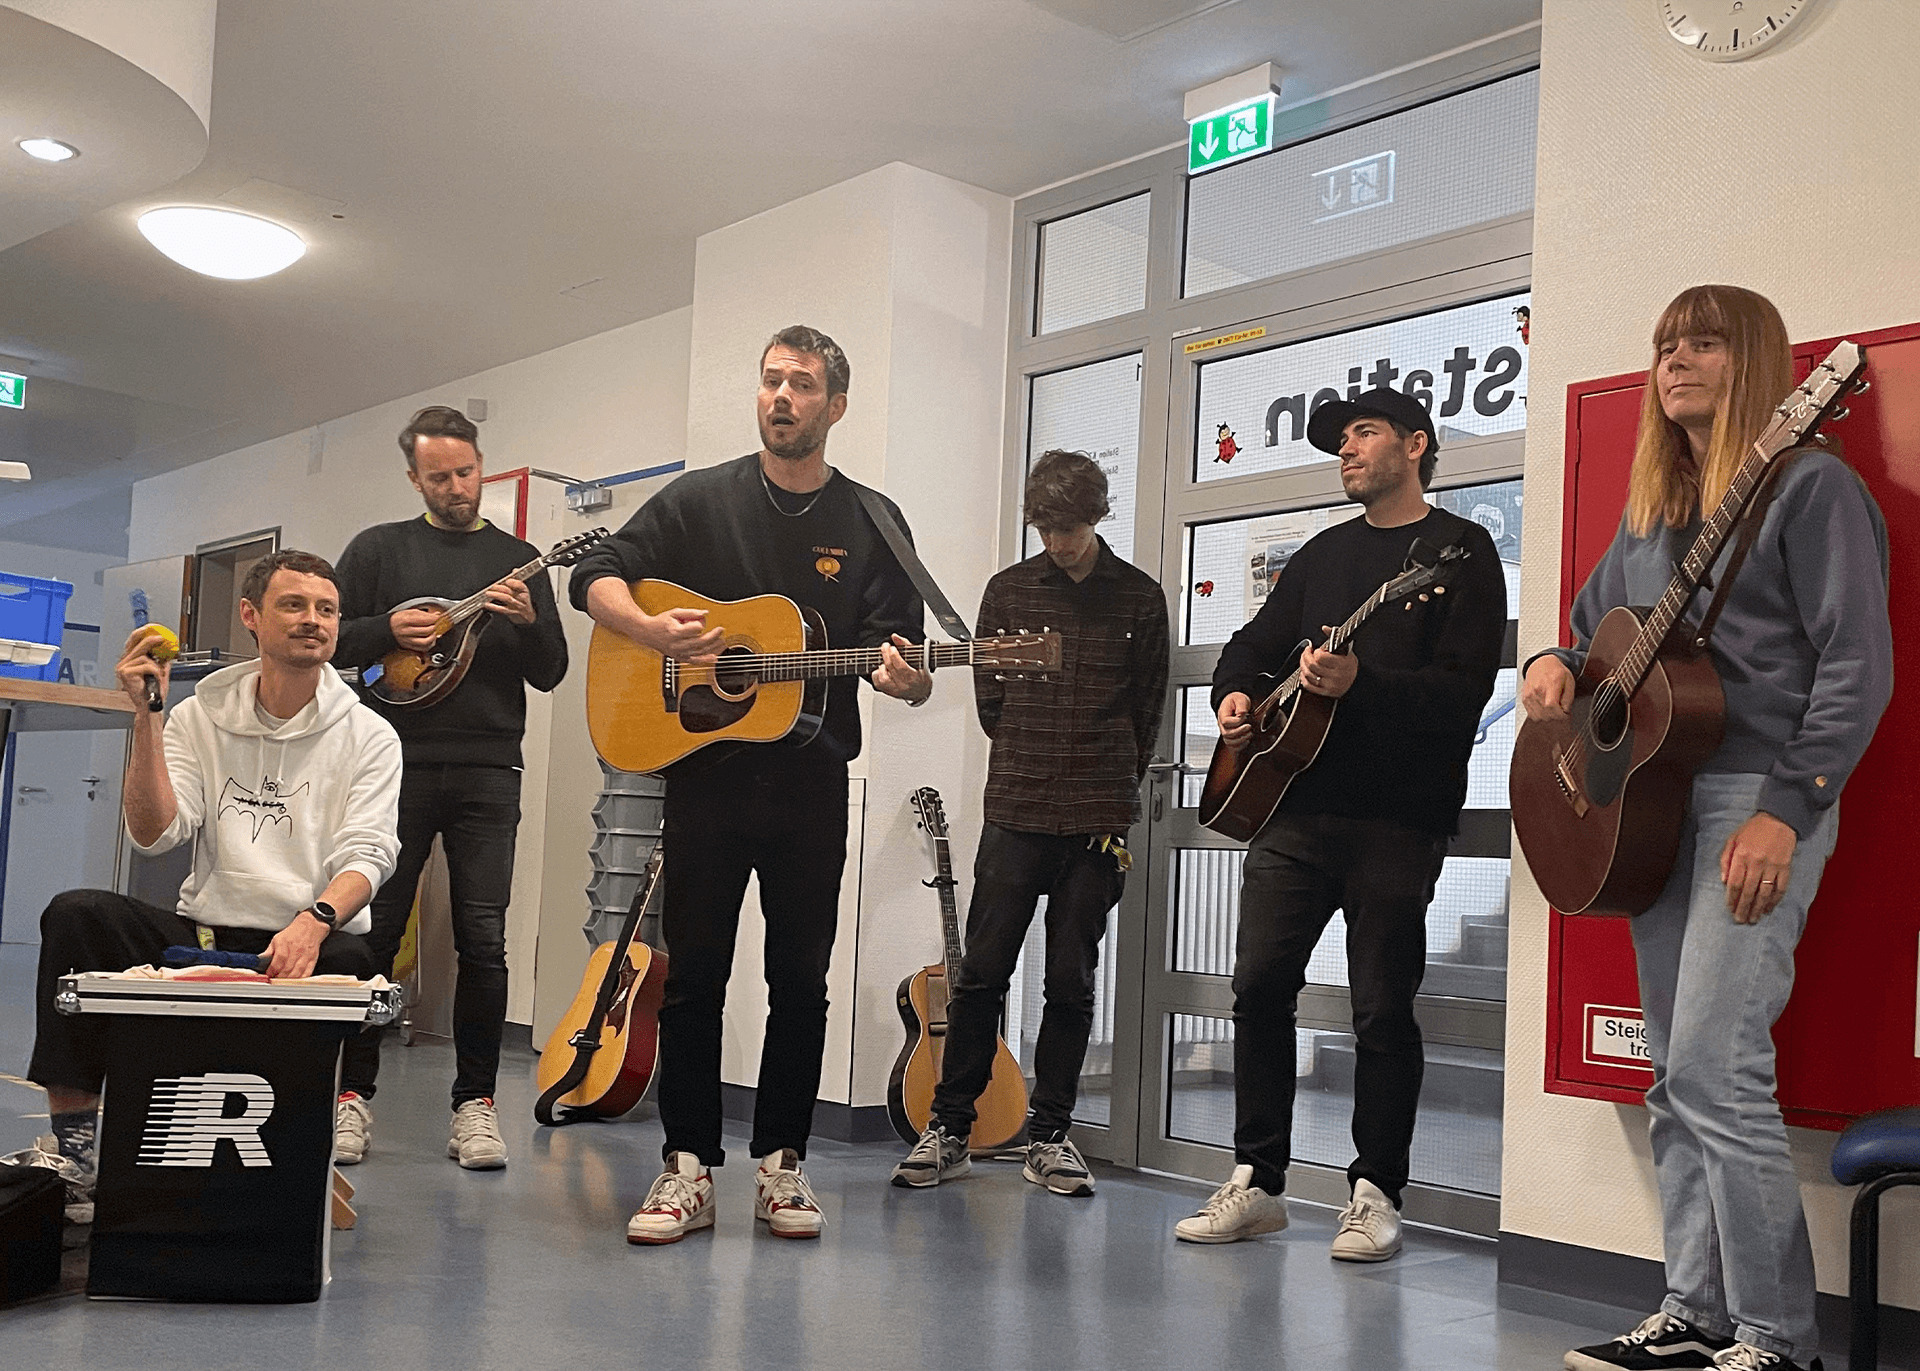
x: 1728, y: 30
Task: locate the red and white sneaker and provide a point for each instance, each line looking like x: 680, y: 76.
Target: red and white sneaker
x: 783, y: 1199
x: 679, y: 1202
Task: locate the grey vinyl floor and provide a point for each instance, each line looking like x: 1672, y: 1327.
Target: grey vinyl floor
x: 528, y: 1268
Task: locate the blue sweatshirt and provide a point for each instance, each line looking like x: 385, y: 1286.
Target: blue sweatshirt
x: 1803, y: 648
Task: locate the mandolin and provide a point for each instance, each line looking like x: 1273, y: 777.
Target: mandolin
x: 601, y: 1056
x: 1246, y: 785
x: 1599, y: 796
x: 1001, y: 1110
x: 410, y: 679
x: 768, y: 682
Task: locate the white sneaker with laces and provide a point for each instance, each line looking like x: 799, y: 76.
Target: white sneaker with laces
x: 783, y: 1199
x: 352, y: 1130
x: 679, y: 1202
x: 1369, y: 1226
x: 1237, y: 1210
x: 476, y: 1143
x: 1744, y: 1356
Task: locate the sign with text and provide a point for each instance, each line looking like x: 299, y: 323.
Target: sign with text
x: 1468, y: 366
x: 1617, y: 1036
x: 13, y: 391
x: 1227, y: 135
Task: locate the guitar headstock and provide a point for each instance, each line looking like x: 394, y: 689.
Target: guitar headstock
x: 1425, y: 567
x: 570, y: 550
x: 1816, y: 400
x: 1018, y: 652
x: 933, y: 815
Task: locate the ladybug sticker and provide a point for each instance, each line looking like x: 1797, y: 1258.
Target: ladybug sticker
x: 1204, y: 590
x: 1225, y: 448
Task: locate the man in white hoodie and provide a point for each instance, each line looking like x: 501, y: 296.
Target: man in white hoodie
x: 287, y: 785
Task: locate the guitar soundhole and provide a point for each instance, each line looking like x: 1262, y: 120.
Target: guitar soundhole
x: 734, y: 681
x: 1608, y: 720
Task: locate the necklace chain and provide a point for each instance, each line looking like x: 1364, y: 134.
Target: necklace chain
x: 767, y: 486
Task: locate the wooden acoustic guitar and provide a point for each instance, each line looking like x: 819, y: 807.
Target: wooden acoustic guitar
x: 1001, y: 1110
x: 646, y: 711
x: 601, y: 1056
x: 410, y: 679
x: 1244, y: 787
x: 1599, y: 797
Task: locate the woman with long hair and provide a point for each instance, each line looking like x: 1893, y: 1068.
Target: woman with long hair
x: 1804, y: 652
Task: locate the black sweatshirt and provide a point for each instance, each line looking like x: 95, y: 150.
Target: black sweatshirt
x: 482, y: 721
x: 1400, y: 738
x: 721, y: 532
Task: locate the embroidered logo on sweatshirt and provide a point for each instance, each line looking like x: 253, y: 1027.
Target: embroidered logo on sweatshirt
x: 267, y: 805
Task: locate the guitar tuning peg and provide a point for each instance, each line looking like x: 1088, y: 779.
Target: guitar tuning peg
x: 1439, y: 590
x: 1840, y: 414
x: 1862, y: 386
x: 1424, y: 597
x: 1820, y: 438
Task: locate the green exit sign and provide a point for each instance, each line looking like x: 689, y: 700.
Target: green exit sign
x: 13, y: 391
x: 1227, y: 135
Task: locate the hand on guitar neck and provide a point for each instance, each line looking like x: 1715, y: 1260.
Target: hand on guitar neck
x: 1321, y: 673
x: 419, y: 629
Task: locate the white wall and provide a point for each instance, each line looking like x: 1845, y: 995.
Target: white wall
x: 1790, y: 173
x: 606, y: 404
x: 909, y: 272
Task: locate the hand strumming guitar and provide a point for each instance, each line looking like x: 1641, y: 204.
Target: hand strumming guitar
x: 1235, y: 719
x: 414, y: 629
x: 677, y: 633
x: 1547, y: 693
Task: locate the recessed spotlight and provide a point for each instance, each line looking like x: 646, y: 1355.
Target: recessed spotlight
x: 49, y: 149
x: 222, y: 242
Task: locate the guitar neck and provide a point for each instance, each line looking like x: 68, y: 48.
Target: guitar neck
x: 477, y: 601
x: 1336, y: 642
x: 950, y: 948
x: 848, y: 661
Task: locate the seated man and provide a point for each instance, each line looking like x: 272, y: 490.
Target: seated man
x: 288, y: 785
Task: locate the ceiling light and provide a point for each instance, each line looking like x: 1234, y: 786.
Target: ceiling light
x: 222, y: 242
x: 49, y: 149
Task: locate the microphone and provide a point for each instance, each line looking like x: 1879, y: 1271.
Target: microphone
x: 162, y: 646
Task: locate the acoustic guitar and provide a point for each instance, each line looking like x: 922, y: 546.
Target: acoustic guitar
x: 1001, y: 1110
x: 601, y: 1056
x: 1600, y: 795
x: 410, y: 679
x: 768, y: 681
x: 1244, y: 787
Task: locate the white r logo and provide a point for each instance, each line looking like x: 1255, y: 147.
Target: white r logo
x: 185, y: 1123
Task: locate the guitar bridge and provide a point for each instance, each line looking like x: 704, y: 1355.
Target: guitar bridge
x: 670, y: 684
x: 1570, y: 787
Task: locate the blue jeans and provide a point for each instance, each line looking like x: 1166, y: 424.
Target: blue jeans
x: 1739, y: 1262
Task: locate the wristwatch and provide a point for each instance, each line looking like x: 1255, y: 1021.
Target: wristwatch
x: 324, y: 912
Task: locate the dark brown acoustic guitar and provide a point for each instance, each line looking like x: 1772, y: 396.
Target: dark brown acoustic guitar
x: 1600, y: 795
x: 1001, y: 1110
x: 1244, y: 787
x: 601, y: 1056
x: 411, y: 679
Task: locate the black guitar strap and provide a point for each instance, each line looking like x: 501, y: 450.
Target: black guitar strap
x: 910, y: 563
x: 1750, y: 521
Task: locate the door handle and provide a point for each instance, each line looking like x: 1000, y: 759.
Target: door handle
x: 33, y: 790
x: 1169, y: 769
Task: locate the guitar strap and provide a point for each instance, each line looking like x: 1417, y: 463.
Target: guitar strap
x: 910, y: 563
x: 1756, y: 514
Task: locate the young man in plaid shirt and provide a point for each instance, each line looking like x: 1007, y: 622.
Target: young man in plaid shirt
x: 1063, y: 788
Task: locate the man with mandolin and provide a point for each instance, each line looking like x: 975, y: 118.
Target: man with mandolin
x: 779, y: 521
x: 1063, y: 789
x: 462, y: 749
x: 1797, y: 667
x: 1363, y: 828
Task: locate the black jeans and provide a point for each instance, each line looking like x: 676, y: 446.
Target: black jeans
x: 100, y: 930
x: 780, y: 814
x: 1011, y: 871
x: 476, y: 812
x: 1299, y: 871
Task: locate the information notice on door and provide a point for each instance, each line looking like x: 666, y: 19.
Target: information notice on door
x: 1616, y: 1036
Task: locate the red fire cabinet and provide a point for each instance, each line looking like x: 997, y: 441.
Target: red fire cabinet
x: 1849, y: 1042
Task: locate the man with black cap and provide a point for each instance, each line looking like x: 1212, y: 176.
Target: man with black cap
x: 1364, y: 829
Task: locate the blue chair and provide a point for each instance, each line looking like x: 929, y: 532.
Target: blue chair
x: 1875, y: 1153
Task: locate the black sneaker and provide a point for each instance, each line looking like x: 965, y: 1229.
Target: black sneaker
x: 1661, y: 1341
x: 1744, y: 1356
x: 938, y: 1156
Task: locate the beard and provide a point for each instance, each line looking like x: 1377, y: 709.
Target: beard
x: 454, y: 511
x: 794, y: 443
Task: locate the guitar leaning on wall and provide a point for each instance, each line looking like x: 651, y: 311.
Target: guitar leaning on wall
x: 1599, y: 796
x: 769, y: 682
x: 1244, y: 787
x: 1001, y: 1110
x: 601, y: 1056
x: 409, y: 679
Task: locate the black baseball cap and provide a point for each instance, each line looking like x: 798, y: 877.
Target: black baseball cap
x: 1327, y: 428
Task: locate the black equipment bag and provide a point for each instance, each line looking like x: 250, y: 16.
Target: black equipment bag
x: 32, y: 1201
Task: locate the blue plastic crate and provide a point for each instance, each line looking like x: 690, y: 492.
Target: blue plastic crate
x: 35, y: 611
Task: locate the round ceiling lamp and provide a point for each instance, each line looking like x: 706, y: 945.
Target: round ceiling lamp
x: 222, y: 242
x: 48, y: 149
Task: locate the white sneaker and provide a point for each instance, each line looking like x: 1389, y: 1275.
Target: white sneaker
x: 352, y: 1130
x: 476, y: 1143
x: 1237, y: 1210
x: 1369, y: 1227
x: 783, y: 1199
x: 679, y: 1202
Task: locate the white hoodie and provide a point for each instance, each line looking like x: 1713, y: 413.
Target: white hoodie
x: 280, y: 811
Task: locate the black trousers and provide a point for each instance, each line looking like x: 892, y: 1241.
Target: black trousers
x: 1011, y: 871
x: 99, y: 930
x: 1300, y: 870
x: 475, y: 810
x: 781, y: 815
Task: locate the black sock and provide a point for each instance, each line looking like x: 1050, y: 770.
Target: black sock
x: 74, y: 1132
